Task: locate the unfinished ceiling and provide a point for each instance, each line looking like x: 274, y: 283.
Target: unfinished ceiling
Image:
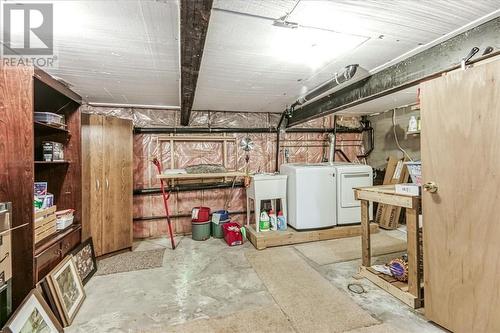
x: 251, y: 65
x: 127, y: 52
x: 118, y: 51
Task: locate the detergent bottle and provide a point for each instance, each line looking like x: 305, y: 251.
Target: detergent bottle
x: 281, y: 221
x: 264, y: 221
x: 272, y: 220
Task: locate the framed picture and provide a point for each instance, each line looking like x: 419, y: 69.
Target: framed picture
x: 33, y: 316
x: 43, y: 287
x: 84, y: 258
x: 67, y: 289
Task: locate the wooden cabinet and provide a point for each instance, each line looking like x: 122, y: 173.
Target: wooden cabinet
x: 461, y: 156
x: 107, y: 176
x: 23, y: 91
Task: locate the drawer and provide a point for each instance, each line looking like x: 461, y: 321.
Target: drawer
x: 47, y: 260
x: 70, y: 242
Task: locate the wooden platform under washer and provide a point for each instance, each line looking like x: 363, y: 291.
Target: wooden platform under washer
x: 262, y: 240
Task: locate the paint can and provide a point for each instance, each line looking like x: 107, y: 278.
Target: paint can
x: 200, y: 231
x: 217, y: 228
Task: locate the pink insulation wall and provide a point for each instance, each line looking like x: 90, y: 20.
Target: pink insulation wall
x: 302, y: 147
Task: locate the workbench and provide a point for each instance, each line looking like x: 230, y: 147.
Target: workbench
x: 411, y: 292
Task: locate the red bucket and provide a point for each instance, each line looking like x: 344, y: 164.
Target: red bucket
x: 200, y: 214
x: 232, y: 233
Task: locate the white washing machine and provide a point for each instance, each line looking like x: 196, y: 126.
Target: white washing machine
x: 311, y: 195
x: 350, y: 176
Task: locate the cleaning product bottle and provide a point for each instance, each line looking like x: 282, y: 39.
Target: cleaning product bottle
x: 281, y: 221
x: 264, y: 221
x: 272, y: 220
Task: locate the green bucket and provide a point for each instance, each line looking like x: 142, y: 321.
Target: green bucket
x: 200, y: 230
x: 217, y: 229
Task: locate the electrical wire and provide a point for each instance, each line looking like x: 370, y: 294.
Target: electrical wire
x: 396, y: 136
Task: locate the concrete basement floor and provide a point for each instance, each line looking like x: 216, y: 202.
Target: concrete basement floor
x: 210, y: 287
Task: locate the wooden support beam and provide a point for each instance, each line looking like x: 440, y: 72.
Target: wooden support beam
x: 428, y: 64
x: 195, y: 15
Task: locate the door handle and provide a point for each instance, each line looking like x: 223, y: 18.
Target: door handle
x: 431, y: 187
x: 97, y: 184
x: 107, y: 184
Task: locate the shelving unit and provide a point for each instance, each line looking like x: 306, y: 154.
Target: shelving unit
x: 26, y: 90
x: 409, y: 292
x: 63, y: 177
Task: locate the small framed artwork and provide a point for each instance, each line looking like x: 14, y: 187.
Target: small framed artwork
x: 33, y: 316
x: 43, y: 287
x: 67, y: 289
x: 85, y: 262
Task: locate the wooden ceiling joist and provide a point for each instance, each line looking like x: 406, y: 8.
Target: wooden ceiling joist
x: 195, y: 15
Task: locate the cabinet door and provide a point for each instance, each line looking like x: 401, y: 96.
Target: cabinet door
x: 461, y: 155
x: 117, y: 213
x: 92, y: 179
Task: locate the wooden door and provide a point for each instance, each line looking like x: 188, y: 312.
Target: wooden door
x: 92, y: 175
x: 117, y: 219
x: 461, y: 154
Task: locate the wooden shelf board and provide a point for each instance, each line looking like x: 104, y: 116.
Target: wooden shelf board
x: 43, y: 128
x: 386, y: 194
x: 52, y: 162
x: 262, y: 240
x: 396, y: 288
x: 52, y: 239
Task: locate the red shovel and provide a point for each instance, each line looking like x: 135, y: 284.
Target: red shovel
x: 166, y: 196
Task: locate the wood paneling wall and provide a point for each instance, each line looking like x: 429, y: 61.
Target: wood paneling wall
x: 16, y: 169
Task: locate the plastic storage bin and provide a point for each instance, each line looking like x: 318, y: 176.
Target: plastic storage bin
x: 232, y: 233
x: 49, y: 118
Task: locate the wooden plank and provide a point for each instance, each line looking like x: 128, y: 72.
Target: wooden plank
x: 387, y: 216
x: 365, y: 233
x: 262, y: 240
x: 403, y: 296
x: 201, y: 175
x: 461, y: 154
x: 413, y: 250
x: 194, y: 18
x: 383, y: 197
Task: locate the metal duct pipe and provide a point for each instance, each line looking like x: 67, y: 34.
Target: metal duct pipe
x: 186, y: 130
x: 134, y: 106
x: 337, y: 79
